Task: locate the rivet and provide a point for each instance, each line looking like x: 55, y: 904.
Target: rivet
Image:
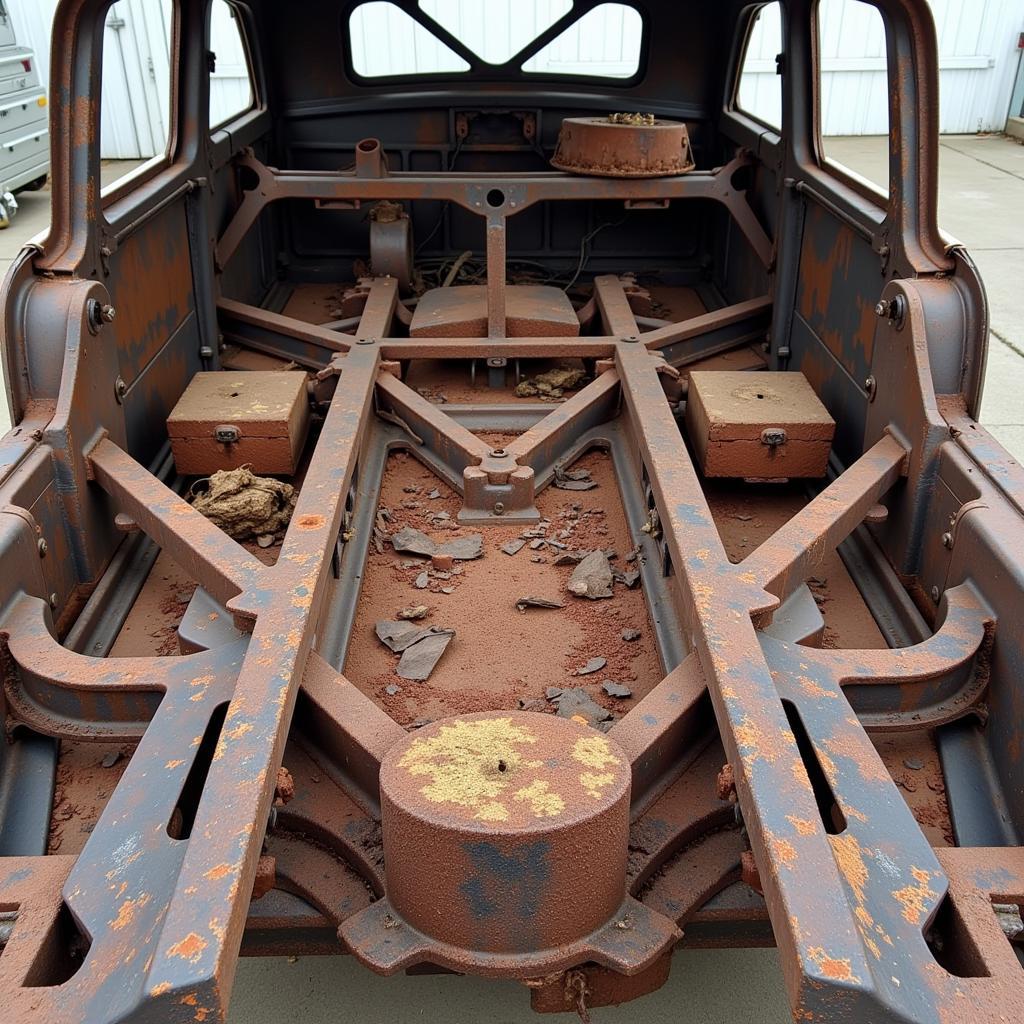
x: 947, y: 540
x: 935, y: 594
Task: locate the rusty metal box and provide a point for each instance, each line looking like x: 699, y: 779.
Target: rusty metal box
x: 745, y: 424
x: 228, y: 419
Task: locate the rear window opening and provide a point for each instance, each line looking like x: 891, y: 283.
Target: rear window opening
x: 603, y: 42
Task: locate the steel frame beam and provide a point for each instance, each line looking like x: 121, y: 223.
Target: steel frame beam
x: 213, y: 725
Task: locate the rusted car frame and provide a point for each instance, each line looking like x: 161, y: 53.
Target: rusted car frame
x: 147, y: 922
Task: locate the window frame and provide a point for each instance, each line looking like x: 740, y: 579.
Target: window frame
x: 239, y: 13
x: 480, y: 71
x: 753, y: 14
x: 865, y: 188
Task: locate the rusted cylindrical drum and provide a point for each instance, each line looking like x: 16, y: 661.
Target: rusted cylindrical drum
x: 623, y: 149
x: 505, y: 832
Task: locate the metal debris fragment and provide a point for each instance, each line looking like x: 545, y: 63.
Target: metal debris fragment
x: 531, y: 601
x: 593, y: 665
x: 577, y: 703
x: 614, y: 689
x: 592, y: 578
x: 420, y: 657
x: 513, y: 546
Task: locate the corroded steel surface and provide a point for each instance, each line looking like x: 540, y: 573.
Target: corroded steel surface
x: 507, y: 843
x: 639, y: 148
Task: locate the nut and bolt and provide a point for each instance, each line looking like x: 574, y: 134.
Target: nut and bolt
x: 498, y: 453
x: 99, y: 313
x: 499, y: 508
x: 893, y: 309
x: 120, y: 389
x: 870, y: 386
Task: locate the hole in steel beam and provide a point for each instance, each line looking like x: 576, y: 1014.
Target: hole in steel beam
x: 60, y: 954
x: 495, y: 198
x: 8, y: 918
x: 952, y: 944
x: 831, y: 816
x: 184, y: 815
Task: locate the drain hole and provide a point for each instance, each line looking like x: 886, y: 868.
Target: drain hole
x: 184, y: 815
x: 952, y: 944
x: 495, y: 198
x: 502, y: 767
x: 61, y: 952
x: 831, y: 816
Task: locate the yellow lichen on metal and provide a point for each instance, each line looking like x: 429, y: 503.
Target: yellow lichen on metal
x: 473, y: 763
x: 595, y: 752
x: 543, y: 802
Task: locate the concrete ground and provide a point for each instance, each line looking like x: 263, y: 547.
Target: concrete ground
x: 981, y: 203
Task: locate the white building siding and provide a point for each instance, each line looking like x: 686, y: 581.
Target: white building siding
x: 977, y: 48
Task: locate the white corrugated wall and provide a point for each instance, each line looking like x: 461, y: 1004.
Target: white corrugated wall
x: 977, y: 44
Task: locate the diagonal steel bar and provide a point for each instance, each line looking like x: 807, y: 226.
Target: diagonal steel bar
x: 795, y: 550
x: 816, y: 927
x: 207, y: 553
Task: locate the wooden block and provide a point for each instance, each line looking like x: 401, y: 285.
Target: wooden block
x: 745, y: 424
x: 531, y: 311
x: 232, y: 418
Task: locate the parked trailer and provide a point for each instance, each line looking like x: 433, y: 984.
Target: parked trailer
x: 644, y: 576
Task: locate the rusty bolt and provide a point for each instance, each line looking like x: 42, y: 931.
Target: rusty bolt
x: 53, y: 601
x: 42, y: 547
x: 284, y: 789
x: 882, y: 308
x: 120, y: 389
x: 727, y: 784
x: 499, y: 508
x: 498, y: 453
x: 107, y: 313
x: 936, y: 594
x: 631, y: 338
x: 947, y: 540
x: 869, y: 386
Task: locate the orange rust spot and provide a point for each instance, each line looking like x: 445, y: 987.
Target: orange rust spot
x: 126, y: 912
x: 847, y: 853
x: 869, y: 764
x: 913, y: 898
x: 813, y: 689
x: 171, y: 765
x: 190, y: 948
x: 310, y: 522
x: 832, y: 967
x: 783, y: 850
x: 803, y: 826
x: 217, y: 873
x: 159, y: 990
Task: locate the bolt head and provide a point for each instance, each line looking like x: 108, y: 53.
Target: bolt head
x: 53, y: 601
x: 882, y: 308
x: 499, y: 508
x: 947, y: 540
x: 42, y: 547
x: 936, y: 594
x: 107, y: 313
